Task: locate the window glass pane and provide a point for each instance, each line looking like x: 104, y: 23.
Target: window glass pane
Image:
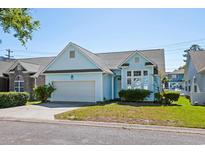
x: 189, y: 88
x: 137, y: 83
x: 145, y: 86
x: 16, y: 90
x: 145, y: 73
x: 129, y: 82
x: 195, y: 88
x: 16, y: 84
x: 21, y: 89
x: 137, y: 73
x: 21, y: 84
x: 129, y: 73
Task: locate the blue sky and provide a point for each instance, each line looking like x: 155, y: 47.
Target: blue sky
x: 108, y: 30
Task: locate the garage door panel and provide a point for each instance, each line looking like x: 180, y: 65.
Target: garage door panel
x: 78, y: 91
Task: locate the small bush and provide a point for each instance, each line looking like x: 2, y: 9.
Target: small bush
x: 42, y: 93
x: 134, y: 95
x: 167, y: 97
x: 12, y: 99
x: 171, y: 96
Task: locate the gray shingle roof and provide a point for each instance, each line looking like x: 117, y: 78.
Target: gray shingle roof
x: 4, y: 66
x: 35, y: 65
x: 114, y: 59
x: 105, y: 61
x: 198, y: 59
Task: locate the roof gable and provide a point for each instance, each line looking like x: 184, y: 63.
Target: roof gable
x: 84, y: 60
x: 198, y: 59
x: 115, y: 59
x: 30, y: 67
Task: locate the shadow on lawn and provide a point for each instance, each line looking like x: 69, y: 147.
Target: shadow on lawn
x: 148, y: 104
x: 137, y: 104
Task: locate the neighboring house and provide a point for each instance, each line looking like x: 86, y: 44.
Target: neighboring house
x: 80, y: 75
x: 175, y: 79
x: 195, y: 77
x: 22, y: 74
x: 4, y: 81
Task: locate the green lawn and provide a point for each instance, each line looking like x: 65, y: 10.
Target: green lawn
x: 181, y: 115
x: 33, y: 102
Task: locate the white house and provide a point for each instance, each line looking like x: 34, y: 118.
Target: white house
x: 80, y: 75
x: 194, y: 77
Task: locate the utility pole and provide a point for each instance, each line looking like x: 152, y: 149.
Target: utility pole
x: 9, y: 53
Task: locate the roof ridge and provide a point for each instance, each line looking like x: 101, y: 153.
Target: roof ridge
x: 35, y: 58
x: 28, y: 62
x: 115, y: 52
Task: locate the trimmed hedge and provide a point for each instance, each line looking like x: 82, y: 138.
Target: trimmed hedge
x: 167, y: 97
x: 12, y: 99
x: 134, y: 95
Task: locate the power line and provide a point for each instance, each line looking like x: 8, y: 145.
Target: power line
x: 178, y: 43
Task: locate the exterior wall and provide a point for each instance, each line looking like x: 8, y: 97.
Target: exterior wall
x: 4, y: 84
x: 190, y: 72
x: 107, y: 86
x: 197, y: 98
x: 97, y: 77
x: 137, y: 67
x: 64, y: 62
x: 40, y: 80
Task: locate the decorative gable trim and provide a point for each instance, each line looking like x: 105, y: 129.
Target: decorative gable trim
x: 80, y: 50
x: 73, y: 71
x: 131, y: 55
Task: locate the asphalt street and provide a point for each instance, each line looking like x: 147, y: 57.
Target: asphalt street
x: 51, y: 133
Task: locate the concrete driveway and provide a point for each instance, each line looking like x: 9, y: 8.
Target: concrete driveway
x: 45, y: 111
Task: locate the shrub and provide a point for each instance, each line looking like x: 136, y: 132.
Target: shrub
x: 166, y: 97
x: 158, y: 97
x: 133, y: 95
x: 12, y: 99
x: 42, y: 93
x: 171, y: 96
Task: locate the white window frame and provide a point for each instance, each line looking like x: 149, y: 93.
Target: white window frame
x: 141, y: 77
x: 19, y: 83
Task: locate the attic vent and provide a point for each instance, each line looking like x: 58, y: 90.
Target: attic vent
x: 72, y: 54
x: 125, y: 64
x: 148, y: 63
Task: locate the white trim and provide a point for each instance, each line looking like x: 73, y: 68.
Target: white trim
x: 73, y: 73
x: 112, y: 87
x: 141, y: 77
x: 102, y: 90
x: 131, y: 55
x: 77, y: 81
x: 67, y: 46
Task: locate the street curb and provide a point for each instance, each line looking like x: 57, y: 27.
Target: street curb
x: 112, y: 125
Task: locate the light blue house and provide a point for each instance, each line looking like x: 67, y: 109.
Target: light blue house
x: 175, y: 79
x: 80, y: 75
x: 194, y: 77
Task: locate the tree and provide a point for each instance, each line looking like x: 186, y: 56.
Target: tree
x: 19, y: 22
x: 194, y: 47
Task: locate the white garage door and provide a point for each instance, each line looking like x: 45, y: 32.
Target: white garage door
x: 76, y: 91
